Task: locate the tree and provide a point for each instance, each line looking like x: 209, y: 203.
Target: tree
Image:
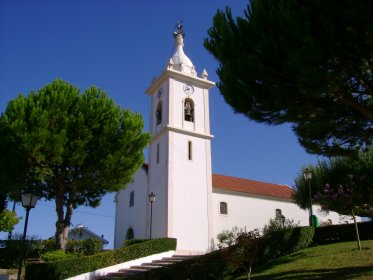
x: 70, y: 147
x: 339, y: 184
x: 8, y: 219
x: 307, y: 63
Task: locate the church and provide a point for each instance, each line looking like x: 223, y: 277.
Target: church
x: 176, y: 194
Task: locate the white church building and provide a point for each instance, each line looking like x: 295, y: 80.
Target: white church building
x: 192, y: 204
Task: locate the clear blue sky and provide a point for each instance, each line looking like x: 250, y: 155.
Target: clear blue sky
x: 120, y: 46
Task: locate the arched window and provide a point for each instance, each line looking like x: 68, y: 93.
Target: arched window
x: 189, y: 110
x: 132, y: 198
x: 158, y: 113
x: 130, y: 234
x: 223, y: 208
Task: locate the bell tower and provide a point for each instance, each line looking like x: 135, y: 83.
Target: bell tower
x: 180, y: 153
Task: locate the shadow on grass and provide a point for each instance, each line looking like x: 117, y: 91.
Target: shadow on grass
x: 338, y: 273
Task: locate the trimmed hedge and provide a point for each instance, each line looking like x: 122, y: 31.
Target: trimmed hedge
x: 285, y: 242
x: 342, y: 233
x: 67, y: 268
x: 9, y: 249
x: 218, y: 264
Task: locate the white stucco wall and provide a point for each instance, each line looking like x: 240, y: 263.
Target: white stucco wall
x: 253, y: 211
x: 131, y: 216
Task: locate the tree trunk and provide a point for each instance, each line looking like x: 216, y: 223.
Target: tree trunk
x: 249, y: 273
x: 63, y: 219
x: 356, y: 230
x: 60, y: 236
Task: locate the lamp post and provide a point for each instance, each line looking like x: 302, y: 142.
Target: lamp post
x: 28, y: 201
x: 151, y: 199
x: 308, y: 176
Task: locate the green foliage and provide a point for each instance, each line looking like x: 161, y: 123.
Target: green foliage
x: 63, y: 269
x: 57, y: 255
x: 129, y: 242
x: 285, y: 241
x: 8, y: 219
x: 69, y: 146
x: 282, y: 64
x: 219, y: 264
x: 91, y: 246
x: 227, y: 237
x: 339, y: 184
x: 342, y: 233
x: 9, y: 249
x: 235, y: 235
x: 277, y: 224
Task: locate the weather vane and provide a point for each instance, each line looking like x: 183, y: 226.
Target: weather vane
x: 179, y: 29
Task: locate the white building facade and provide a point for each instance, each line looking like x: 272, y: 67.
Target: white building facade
x: 192, y: 204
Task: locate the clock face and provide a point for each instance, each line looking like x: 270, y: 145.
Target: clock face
x: 188, y: 89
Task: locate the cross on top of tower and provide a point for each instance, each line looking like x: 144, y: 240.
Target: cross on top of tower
x: 179, y: 29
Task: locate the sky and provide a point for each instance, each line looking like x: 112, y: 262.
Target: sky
x: 120, y: 46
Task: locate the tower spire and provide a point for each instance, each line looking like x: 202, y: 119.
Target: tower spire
x: 179, y: 59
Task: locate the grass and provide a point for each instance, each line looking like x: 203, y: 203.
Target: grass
x: 334, y: 261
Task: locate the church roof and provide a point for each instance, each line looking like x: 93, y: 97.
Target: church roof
x: 251, y: 186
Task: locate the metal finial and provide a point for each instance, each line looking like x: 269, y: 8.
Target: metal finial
x: 179, y: 29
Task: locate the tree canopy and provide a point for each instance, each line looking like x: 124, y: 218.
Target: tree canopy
x: 307, y: 63
x: 340, y: 184
x: 69, y: 146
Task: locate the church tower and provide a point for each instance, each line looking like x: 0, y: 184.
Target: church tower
x: 180, y: 153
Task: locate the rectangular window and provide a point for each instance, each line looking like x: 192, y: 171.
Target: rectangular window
x: 278, y: 213
x: 157, y: 153
x: 132, y: 198
x: 190, y: 150
x: 223, y: 208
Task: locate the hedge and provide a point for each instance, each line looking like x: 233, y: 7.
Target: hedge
x: 63, y: 269
x: 218, y: 264
x: 9, y: 249
x: 342, y: 233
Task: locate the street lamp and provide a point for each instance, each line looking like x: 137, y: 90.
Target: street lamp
x: 308, y: 176
x: 28, y: 201
x: 151, y: 199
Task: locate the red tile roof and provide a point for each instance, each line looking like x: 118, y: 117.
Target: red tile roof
x: 251, y: 186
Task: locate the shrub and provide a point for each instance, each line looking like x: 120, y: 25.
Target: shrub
x: 56, y: 255
x: 230, y: 237
x: 342, y: 233
x: 62, y: 269
x: 91, y: 246
x: 129, y: 242
x: 279, y: 223
x: 221, y: 263
x: 285, y: 241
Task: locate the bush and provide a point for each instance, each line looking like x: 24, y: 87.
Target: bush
x: 129, y: 242
x: 285, y: 242
x: 91, y: 246
x: 57, y: 255
x: 277, y: 224
x: 221, y: 263
x: 342, y: 233
x: 236, y: 235
x: 62, y: 269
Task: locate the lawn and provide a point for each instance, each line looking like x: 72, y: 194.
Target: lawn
x: 334, y: 261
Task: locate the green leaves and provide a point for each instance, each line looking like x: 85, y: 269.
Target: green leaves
x: 69, y: 146
x: 307, y: 63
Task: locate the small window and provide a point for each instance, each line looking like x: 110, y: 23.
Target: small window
x: 278, y: 213
x: 190, y: 150
x: 132, y: 198
x: 157, y: 153
x: 158, y: 113
x: 189, y: 110
x: 223, y: 208
x: 130, y: 234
